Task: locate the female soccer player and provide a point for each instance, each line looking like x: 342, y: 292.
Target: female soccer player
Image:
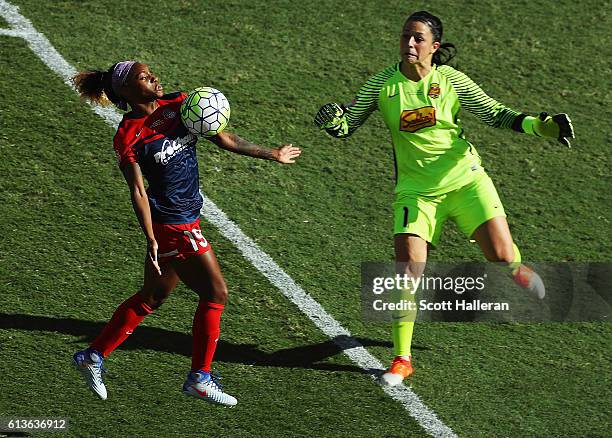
x: 152, y: 142
x: 439, y: 174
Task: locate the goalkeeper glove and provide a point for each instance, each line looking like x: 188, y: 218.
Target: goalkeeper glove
x: 329, y: 116
x: 558, y: 126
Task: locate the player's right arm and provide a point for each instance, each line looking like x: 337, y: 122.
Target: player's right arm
x: 140, y: 203
x: 342, y: 120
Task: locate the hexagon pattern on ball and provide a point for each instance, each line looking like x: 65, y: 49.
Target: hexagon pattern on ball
x: 205, y: 111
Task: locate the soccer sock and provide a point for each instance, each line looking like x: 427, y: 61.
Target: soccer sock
x: 123, y: 322
x: 206, y: 329
x: 519, y: 272
x: 402, y: 324
x: 525, y: 277
x: 516, y: 263
x: 402, y: 337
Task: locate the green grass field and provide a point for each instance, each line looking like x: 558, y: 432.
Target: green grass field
x: 71, y: 249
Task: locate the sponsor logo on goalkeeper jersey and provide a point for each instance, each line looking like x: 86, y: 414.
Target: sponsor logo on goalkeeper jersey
x: 413, y: 120
x: 434, y: 90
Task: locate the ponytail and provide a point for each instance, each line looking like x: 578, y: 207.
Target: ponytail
x: 444, y: 54
x: 96, y: 86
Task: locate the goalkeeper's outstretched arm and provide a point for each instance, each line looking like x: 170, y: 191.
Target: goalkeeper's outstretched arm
x: 342, y: 120
x: 495, y: 114
x: 333, y: 118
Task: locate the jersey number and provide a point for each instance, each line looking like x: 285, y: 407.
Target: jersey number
x: 405, y: 217
x: 196, y: 238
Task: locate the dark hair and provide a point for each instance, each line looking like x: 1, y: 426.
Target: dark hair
x: 96, y: 86
x: 447, y: 51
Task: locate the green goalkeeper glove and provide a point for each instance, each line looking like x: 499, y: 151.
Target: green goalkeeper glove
x: 329, y: 116
x: 558, y: 126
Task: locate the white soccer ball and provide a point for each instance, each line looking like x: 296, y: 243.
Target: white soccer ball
x: 205, y: 111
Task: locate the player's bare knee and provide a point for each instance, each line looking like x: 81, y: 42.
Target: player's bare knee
x: 156, y: 302
x: 417, y: 268
x: 154, y: 298
x: 220, y: 293
x: 410, y: 268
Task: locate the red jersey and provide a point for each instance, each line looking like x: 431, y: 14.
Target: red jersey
x: 165, y: 152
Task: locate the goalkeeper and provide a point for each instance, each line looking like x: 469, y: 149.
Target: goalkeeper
x: 439, y: 175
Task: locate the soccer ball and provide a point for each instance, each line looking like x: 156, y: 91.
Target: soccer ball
x: 205, y: 111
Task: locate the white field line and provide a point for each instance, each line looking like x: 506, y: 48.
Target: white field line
x: 427, y: 419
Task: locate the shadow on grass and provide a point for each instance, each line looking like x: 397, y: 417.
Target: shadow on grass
x: 157, y: 339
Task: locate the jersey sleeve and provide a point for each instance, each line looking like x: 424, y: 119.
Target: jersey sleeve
x: 123, y: 150
x: 364, y: 104
x: 472, y: 98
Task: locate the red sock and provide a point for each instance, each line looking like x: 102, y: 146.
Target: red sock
x: 125, y: 319
x: 205, y: 330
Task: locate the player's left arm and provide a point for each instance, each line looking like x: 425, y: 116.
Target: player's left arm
x: 493, y: 113
x: 285, y: 154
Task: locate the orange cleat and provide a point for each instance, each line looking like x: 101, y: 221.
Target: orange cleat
x: 399, y: 370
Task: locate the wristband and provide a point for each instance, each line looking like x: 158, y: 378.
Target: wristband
x: 527, y: 125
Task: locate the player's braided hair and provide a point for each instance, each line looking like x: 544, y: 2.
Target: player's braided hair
x: 447, y: 51
x: 96, y: 86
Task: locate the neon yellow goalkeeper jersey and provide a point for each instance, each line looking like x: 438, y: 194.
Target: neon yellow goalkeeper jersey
x: 431, y: 153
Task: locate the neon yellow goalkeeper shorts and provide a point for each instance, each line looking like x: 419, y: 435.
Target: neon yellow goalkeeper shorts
x: 469, y: 207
